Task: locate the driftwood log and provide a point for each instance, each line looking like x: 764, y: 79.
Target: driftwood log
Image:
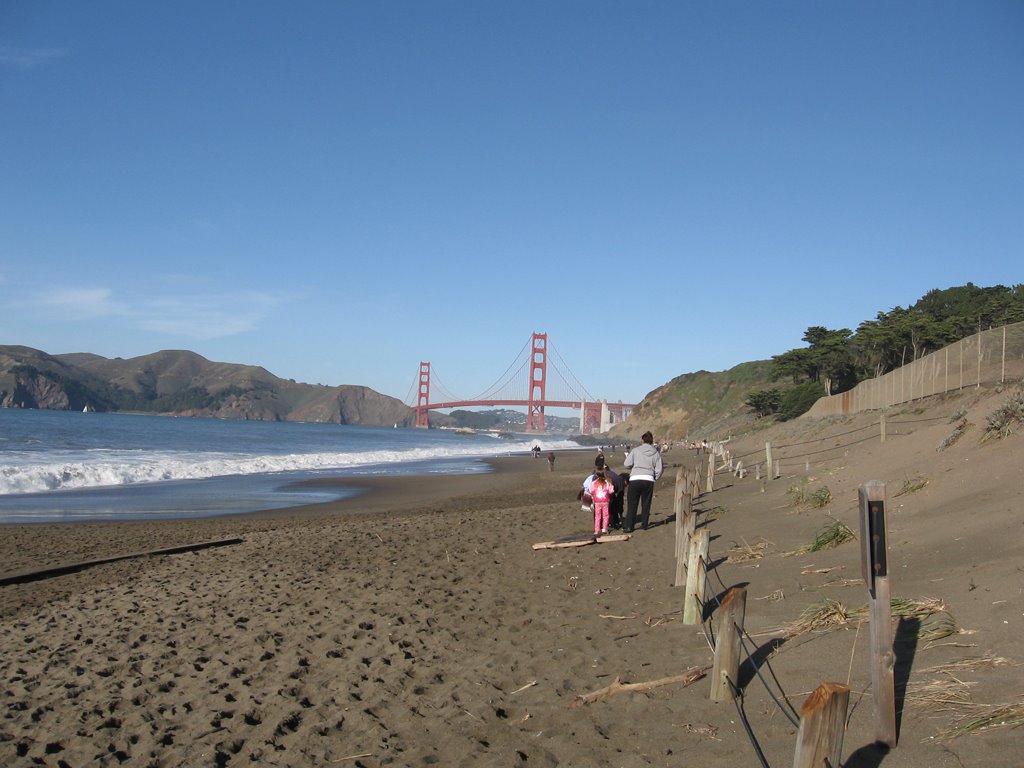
x: 581, y: 541
x: 617, y: 686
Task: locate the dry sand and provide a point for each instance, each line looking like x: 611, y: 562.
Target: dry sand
x: 415, y: 625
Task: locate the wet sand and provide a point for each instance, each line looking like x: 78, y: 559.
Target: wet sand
x: 415, y: 625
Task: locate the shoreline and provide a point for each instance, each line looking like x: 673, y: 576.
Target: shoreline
x: 267, y: 487
x: 30, y: 544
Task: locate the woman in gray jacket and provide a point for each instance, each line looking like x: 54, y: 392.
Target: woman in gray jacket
x: 645, y: 465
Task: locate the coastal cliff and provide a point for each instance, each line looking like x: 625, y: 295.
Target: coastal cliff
x: 183, y: 383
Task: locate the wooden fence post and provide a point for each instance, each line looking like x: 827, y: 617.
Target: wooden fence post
x: 684, y: 532
x: 677, y: 505
x: 710, y: 486
x: 881, y: 422
x: 822, y: 721
x: 768, y: 459
x: 875, y: 568
x: 693, y: 600
x: 726, y: 669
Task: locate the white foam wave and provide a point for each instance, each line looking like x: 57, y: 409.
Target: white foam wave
x: 112, y: 468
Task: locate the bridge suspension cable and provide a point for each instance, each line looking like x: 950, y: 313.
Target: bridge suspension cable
x: 436, y: 384
x: 581, y: 392
x: 504, y: 379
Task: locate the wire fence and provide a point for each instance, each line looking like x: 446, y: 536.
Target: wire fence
x: 987, y: 357
x: 774, y: 460
x: 753, y: 655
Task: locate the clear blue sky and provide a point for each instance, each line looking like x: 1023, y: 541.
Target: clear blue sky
x: 339, y: 190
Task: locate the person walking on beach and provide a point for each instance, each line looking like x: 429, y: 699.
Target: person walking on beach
x: 601, y: 490
x: 645, y: 465
x: 551, y: 461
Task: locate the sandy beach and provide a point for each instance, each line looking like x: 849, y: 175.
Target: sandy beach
x: 414, y: 625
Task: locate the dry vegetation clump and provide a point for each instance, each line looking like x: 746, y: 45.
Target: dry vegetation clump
x: 950, y: 439
x: 825, y: 614
x: 951, y: 693
x: 968, y: 664
x: 744, y: 553
x: 828, y: 613
x: 829, y: 536
x: 802, y: 498
x: 910, y: 485
x: 942, y: 695
x: 1000, y: 423
x: 715, y: 512
x: 985, y: 717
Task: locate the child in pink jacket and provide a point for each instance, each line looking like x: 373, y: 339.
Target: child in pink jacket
x: 602, y: 490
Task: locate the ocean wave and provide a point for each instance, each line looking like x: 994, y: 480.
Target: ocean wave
x: 114, y: 468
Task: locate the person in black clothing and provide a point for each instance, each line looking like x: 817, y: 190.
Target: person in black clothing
x: 615, y: 507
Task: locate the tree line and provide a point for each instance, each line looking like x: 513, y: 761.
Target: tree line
x: 836, y: 360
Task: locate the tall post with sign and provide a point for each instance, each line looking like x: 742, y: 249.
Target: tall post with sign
x: 875, y: 568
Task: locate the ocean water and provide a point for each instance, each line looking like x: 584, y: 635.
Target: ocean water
x: 60, y: 466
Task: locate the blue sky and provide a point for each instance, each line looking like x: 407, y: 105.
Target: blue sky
x: 339, y: 190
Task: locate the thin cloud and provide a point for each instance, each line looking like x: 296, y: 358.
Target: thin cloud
x: 207, y: 317
x: 81, y: 303
x: 28, y: 58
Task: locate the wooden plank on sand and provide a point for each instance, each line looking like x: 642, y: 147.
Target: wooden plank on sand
x: 581, y: 540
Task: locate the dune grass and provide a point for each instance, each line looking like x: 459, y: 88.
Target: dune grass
x: 829, y: 536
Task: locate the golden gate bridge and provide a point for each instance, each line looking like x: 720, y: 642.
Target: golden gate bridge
x: 526, y: 383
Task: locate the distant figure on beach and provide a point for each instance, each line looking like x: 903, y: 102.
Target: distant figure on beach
x: 601, y: 490
x: 536, y: 451
x: 551, y: 461
x: 645, y: 465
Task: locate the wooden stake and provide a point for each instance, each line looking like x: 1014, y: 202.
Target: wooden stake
x: 822, y: 721
x: 684, y: 532
x: 693, y: 600
x: 875, y: 568
x: 728, y: 645
x: 677, y: 505
x: 711, y: 473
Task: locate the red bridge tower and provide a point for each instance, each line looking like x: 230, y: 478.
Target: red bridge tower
x: 538, y: 382
x: 422, y: 412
